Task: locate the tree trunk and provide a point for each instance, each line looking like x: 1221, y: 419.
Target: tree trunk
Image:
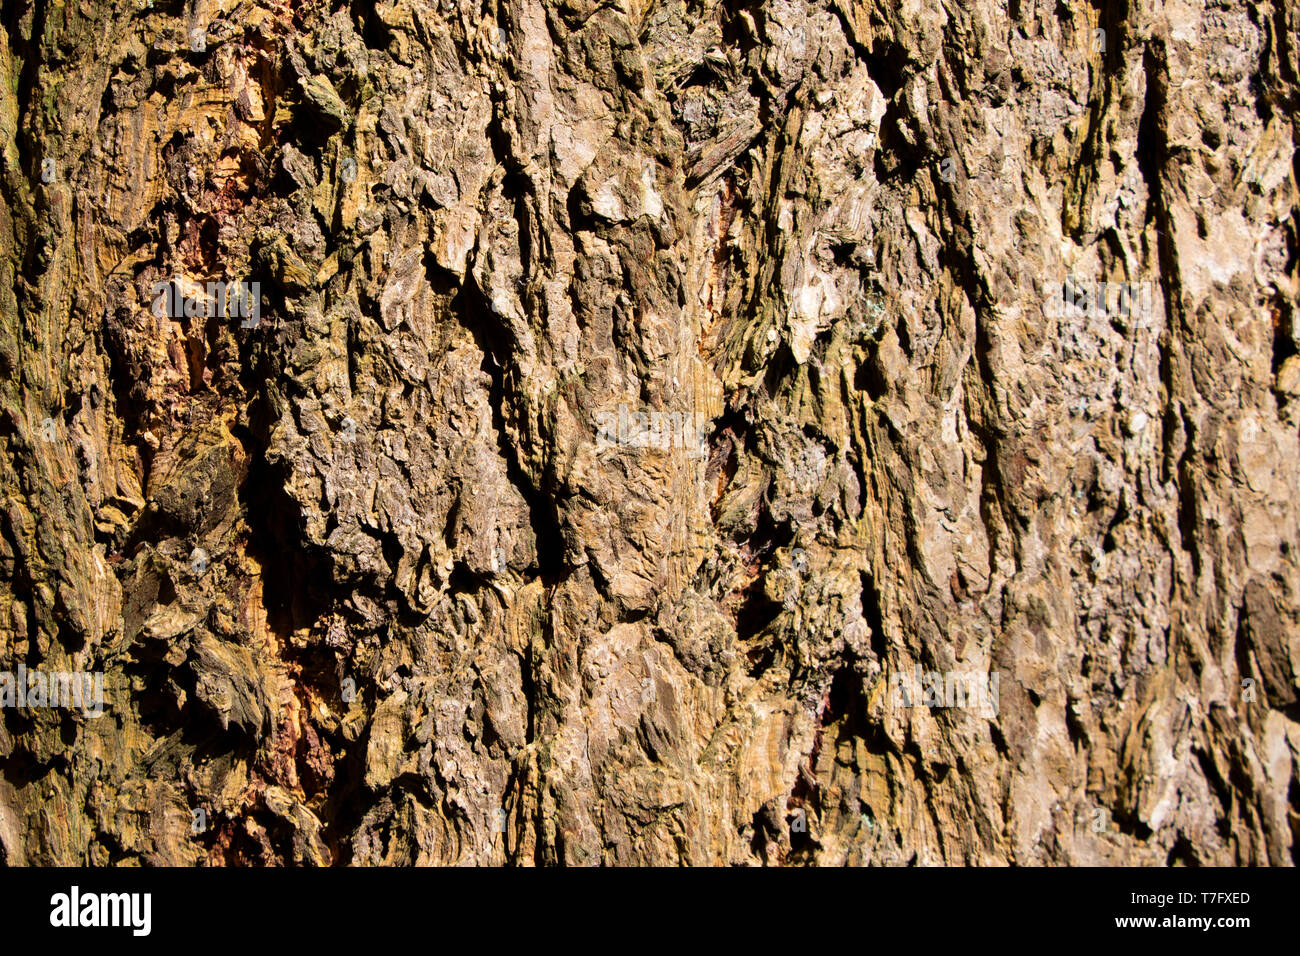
x: 549, y: 431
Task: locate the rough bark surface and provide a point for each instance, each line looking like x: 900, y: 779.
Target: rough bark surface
x: 372, y: 583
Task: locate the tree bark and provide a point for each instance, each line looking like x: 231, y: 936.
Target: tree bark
x: 764, y: 432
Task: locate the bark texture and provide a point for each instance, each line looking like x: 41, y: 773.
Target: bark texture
x: 397, y: 576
